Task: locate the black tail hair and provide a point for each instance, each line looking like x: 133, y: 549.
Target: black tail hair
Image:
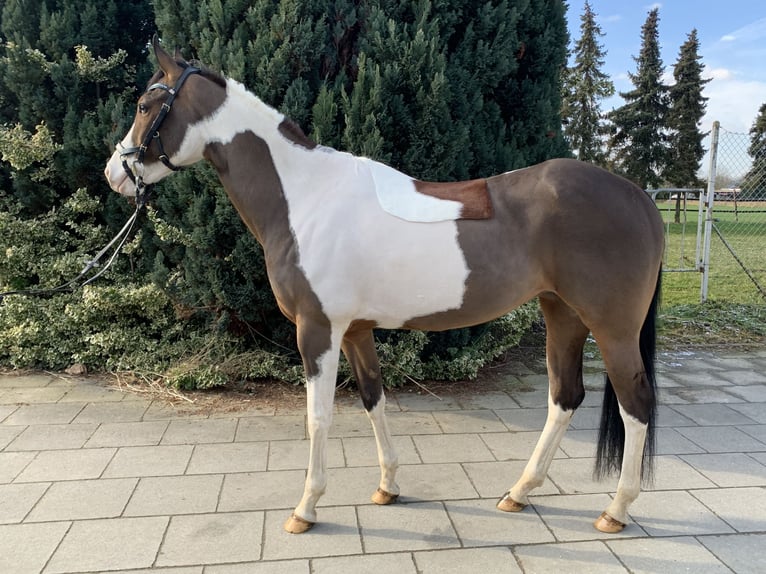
x: 611, y: 434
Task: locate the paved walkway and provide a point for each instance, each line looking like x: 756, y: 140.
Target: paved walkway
x: 95, y: 479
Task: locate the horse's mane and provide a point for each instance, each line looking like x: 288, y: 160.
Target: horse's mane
x: 206, y: 72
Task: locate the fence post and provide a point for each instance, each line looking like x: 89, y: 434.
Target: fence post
x: 709, y: 199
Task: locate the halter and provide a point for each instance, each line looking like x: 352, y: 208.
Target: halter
x: 153, y: 134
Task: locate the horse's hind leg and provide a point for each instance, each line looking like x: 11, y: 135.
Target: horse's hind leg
x: 566, y: 335
x: 359, y: 348
x: 625, y: 437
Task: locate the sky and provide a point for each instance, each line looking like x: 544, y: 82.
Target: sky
x: 732, y: 36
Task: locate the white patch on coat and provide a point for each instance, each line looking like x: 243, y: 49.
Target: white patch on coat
x: 397, y: 195
x: 361, y: 262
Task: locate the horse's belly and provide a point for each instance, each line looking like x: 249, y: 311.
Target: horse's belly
x: 386, y: 270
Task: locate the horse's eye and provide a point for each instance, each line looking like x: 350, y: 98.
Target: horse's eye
x: 142, y: 109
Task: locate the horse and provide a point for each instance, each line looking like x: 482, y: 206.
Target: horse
x: 351, y: 245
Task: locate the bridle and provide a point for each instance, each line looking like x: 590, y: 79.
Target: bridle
x: 142, y: 192
x: 153, y: 134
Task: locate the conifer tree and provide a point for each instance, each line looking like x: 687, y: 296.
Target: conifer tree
x: 754, y: 183
x: 585, y: 86
x: 639, y: 141
x: 687, y: 107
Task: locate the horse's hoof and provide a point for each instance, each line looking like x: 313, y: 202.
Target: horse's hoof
x: 508, y: 504
x: 382, y: 497
x: 297, y: 525
x: 607, y: 524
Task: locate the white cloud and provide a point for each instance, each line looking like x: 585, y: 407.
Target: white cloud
x: 718, y: 73
x: 734, y: 103
x: 728, y: 38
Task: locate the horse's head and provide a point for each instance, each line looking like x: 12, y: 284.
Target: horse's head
x: 161, y: 140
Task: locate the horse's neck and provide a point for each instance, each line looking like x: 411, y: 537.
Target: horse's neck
x: 256, y: 158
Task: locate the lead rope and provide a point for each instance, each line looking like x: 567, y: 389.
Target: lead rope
x: 73, y: 284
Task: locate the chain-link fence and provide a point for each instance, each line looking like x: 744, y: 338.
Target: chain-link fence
x: 735, y: 221
x: 715, y: 239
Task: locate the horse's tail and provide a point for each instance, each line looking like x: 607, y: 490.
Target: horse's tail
x: 611, y: 434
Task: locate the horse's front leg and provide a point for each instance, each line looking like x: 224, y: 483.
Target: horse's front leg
x: 319, y: 345
x: 359, y: 348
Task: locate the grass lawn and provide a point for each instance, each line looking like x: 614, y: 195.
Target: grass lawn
x: 736, y: 311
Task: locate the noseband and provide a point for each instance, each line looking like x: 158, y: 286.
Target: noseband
x: 153, y: 133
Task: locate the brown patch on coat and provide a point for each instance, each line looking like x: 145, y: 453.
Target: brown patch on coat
x: 294, y: 133
x: 472, y: 194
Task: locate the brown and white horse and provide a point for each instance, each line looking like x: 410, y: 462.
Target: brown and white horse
x: 351, y: 245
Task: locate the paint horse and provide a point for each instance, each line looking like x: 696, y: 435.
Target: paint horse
x: 351, y: 245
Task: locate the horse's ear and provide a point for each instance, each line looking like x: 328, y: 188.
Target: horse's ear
x: 165, y: 60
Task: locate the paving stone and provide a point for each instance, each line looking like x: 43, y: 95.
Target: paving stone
x: 229, y: 457
x: 25, y: 548
x: 212, y: 538
x: 175, y: 495
x: 670, y: 441
x: 128, y: 434
x: 492, y: 400
x: 8, y: 433
x: 722, y: 439
x: 278, y: 427
x: 149, y: 461
x: 732, y: 364
x: 494, y: 560
x: 434, y: 482
x: 712, y: 395
x: 742, y: 508
x: 163, y: 411
x: 493, y: 479
x: 83, y: 499
x: 452, y: 448
x: 350, y: 424
x: 480, y: 523
x: 424, y: 402
x: 261, y: 490
x: 362, y: 451
x: 16, y: 500
x: 469, y: 421
x: 44, y: 414
x: 33, y: 380
x: 92, y: 393
x: 752, y: 411
x: 370, y: 564
x: 711, y: 415
x: 52, y: 437
x: 67, y: 465
x: 113, y: 412
x: 668, y: 416
x: 699, y: 378
x: 413, y: 423
x: 31, y: 395
x: 586, y: 418
x: 590, y: 557
x: 406, y: 527
x: 277, y: 567
x: 515, y: 445
x: 6, y: 410
x: 729, y: 469
x: 520, y: 420
x: 294, y: 454
x: 653, y: 555
x: 751, y: 393
x: 113, y: 544
x: 180, y: 570
x: 758, y: 432
x: 752, y: 376
x: 336, y: 534
x: 743, y: 554
x: 12, y: 463
x: 346, y: 486
x: 579, y: 443
x: 533, y: 397
x: 570, y: 516
x: 200, y: 431
x: 675, y: 513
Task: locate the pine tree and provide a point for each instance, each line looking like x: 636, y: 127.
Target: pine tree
x: 687, y: 107
x: 754, y: 183
x: 585, y: 86
x: 639, y: 141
